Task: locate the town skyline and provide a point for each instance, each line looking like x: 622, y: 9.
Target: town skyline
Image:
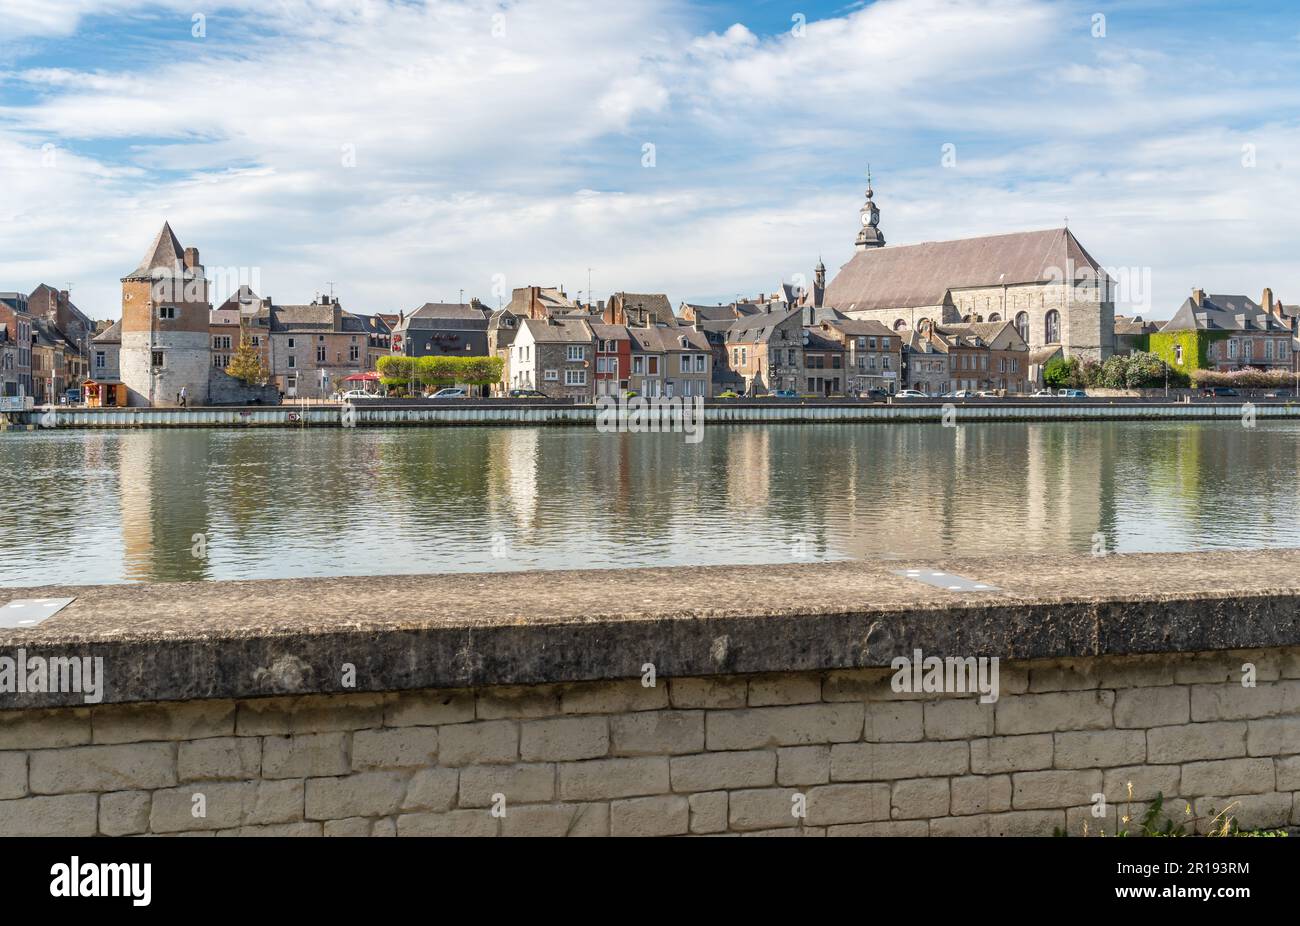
x: 761, y: 143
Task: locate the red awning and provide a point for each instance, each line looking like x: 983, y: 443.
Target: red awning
x: 370, y: 377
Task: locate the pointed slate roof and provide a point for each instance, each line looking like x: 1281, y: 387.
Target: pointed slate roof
x: 917, y: 275
x: 165, y: 255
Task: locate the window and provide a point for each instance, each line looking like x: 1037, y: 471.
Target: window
x: 686, y: 363
x: 575, y: 377
x: 293, y: 362
x: 652, y: 366
x: 1283, y: 350
x: 735, y: 356
x: 884, y: 361
x: 552, y: 376
x: 157, y: 358
x: 862, y: 343
x: 166, y: 311
x: 257, y: 340
x: 884, y: 343
x: 100, y: 360
x: 320, y: 354
x: 1232, y: 348
x: 638, y: 365
x: 221, y: 342
x: 1178, y: 354
x: 575, y: 353
x: 291, y: 345
x: 1022, y: 325
x: 354, y: 353
x: 1052, y: 322
x: 1268, y: 349
x: 699, y: 364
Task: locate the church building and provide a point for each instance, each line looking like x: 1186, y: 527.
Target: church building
x: 1044, y: 282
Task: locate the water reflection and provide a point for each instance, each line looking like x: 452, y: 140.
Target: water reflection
x: 103, y: 506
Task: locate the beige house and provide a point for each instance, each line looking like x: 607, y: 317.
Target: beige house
x: 670, y: 362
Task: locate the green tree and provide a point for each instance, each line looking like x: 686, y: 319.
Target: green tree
x: 246, y: 365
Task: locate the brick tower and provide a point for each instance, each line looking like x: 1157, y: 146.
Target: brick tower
x: 165, y: 310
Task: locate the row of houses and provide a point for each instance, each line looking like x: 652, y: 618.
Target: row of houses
x: 982, y: 314
x: 44, y: 343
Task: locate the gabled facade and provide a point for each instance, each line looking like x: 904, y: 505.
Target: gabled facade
x: 554, y: 356
x: 765, y: 351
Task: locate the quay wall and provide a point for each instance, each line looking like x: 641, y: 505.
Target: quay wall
x: 668, y: 702
x: 468, y: 413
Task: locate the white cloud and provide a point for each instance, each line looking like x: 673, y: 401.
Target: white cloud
x: 478, y: 153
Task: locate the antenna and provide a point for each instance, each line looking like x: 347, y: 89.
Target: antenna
x: 331, y: 286
x: 590, y: 295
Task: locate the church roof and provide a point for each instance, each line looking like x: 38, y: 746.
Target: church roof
x: 917, y: 275
x: 165, y: 256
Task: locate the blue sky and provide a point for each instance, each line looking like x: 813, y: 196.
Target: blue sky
x: 407, y: 151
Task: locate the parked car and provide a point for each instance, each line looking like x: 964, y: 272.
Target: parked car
x: 876, y: 395
x: 527, y: 394
x: 1072, y: 394
x: 986, y: 394
x: 785, y: 394
x: 959, y: 394
x: 1279, y: 394
x: 910, y: 394
x: 355, y: 394
x: 729, y: 394
x: 1044, y: 394
x: 451, y: 392
x: 1215, y: 392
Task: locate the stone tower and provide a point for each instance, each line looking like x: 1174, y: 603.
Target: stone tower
x: 165, y: 316
x: 870, y: 236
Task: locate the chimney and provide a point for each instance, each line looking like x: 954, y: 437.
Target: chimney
x: 1198, y: 297
x: 1266, y: 301
x: 191, y: 258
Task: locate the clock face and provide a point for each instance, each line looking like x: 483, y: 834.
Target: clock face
x: 870, y: 217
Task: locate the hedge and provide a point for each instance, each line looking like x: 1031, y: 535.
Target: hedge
x: 422, y: 372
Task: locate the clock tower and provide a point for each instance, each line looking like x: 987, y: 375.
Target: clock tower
x: 870, y: 236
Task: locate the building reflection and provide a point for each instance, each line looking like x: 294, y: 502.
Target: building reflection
x: 163, y: 503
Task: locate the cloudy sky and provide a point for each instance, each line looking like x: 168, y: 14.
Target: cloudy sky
x: 406, y: 151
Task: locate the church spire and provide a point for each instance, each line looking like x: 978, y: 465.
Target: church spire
x: 870, y: 236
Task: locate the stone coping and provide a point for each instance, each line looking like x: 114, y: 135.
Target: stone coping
x: 179, y: 641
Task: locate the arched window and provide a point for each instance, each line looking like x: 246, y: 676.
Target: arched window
x: 995, y: 317
x: 1022, y: 325
x: 1052, y: 325
x: 900, y: 324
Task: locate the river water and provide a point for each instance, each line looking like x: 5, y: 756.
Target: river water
x: 85, y: 507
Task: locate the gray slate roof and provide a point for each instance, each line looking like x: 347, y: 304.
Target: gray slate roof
x: 165, y: 257
x: 922, y: 274
x: 1223, y: 313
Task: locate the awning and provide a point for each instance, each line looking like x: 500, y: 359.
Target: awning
x: 370, y: 377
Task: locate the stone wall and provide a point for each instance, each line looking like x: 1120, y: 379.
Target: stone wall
x: 224, y: 389
x: 725, y: 754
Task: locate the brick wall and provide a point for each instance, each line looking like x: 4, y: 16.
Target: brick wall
x: 725, y: 754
